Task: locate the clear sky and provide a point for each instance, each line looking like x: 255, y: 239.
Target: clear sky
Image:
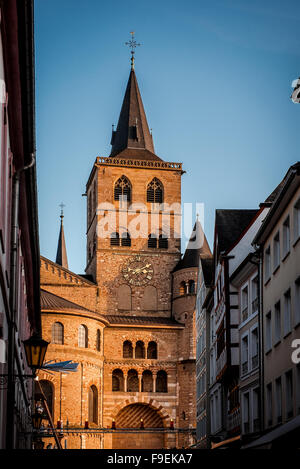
x: 215, y: 78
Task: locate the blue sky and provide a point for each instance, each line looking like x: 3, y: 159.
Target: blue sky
x: 215, y: 78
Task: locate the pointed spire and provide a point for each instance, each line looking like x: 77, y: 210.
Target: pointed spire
x: 197, y: 247
x: 61, y: 255
x: 132, y: 133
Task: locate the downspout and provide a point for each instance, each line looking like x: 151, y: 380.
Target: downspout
x: 262, y: 346
x: 13, y: 294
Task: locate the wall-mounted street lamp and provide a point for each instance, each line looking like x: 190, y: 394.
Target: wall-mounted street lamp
x: 35, y: 350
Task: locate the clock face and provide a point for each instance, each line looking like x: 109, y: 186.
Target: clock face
x: 137, y: 271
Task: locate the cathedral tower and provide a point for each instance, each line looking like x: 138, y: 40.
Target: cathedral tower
x: 123, y: 321
x: 133, y: 219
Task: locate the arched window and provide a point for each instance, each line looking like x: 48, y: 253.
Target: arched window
x: 152, y: 241
x: 182, y: 289
x: 192, y: 287
x: 152, y: 350
x: 127, y: 349
x: 132, y: 381
x: 147, y: 381
x: 155, y: 191
x: 117, y: 380
x: 48, y: 390
x: 93, y: 404
x: 163, y: 242
x: 140, y: 349
x: 115, y: 239
x: 162, y: 381
x: 57, y: 333
x: 98, y: 340
x: 122, y: 189
x: 82, y: 336
x: 125, y: 239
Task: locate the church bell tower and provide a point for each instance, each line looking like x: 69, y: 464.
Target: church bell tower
x: 133, y: 217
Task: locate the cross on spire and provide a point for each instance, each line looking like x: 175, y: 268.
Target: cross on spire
x: 132, y: 44
x: 62, y: 205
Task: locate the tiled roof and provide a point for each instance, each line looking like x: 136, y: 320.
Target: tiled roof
x: 142, y: 320
x: 49, y: 301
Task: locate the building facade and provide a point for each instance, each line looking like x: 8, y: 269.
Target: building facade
x: 19, y: 245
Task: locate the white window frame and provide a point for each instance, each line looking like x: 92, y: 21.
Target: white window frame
x: 267, y: 263
x: 269, y: 404
x: 269, y: 335
x: 251, y: 293
x: 244, y: 307
x: 278, y: 400
x: 277, y: 337
x: 286, y: 236
x: 289, y: 394
x: 246, y: 334
x: 276, y: 251
x: 246, y: 395
x: 297, y: 302
x: 287, y: 312
x: 296, y: 221
x: 254, y: 327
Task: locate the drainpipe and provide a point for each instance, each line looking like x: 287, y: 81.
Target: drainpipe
x: 261, y: 403
x: 13, y: 295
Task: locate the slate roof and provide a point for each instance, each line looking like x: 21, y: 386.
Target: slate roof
x: 61, y: 255
x: 132, y: 131
x: 142, y: 320
x: 230, y: 224
x: 50, y: 301
x: 208, y: 270
x: 192, y: 254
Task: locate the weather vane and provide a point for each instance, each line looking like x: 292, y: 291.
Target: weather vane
x: 132, y: 44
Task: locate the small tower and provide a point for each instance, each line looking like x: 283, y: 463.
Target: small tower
x: 61, y: 255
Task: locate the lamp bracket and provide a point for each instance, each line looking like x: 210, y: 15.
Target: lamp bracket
x: 16, y: 378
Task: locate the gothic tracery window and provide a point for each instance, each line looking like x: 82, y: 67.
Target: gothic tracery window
x: 122, y: 189
x: 155, y: 191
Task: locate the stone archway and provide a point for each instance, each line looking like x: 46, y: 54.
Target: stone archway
x: 130, y: 417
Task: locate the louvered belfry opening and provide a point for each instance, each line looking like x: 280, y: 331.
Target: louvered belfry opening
x: 163, y: 242
x: 115, y: 239
x: 155, y: 191
x: 152, y: 241
x: 125, y: 239
x: 122, y: 190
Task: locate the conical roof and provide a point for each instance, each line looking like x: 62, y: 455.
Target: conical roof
x: 132, y: 138
x: 197, y: 247
x: 61, y: 255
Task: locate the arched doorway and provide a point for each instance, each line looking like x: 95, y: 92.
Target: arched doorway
x: 130, y: 417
